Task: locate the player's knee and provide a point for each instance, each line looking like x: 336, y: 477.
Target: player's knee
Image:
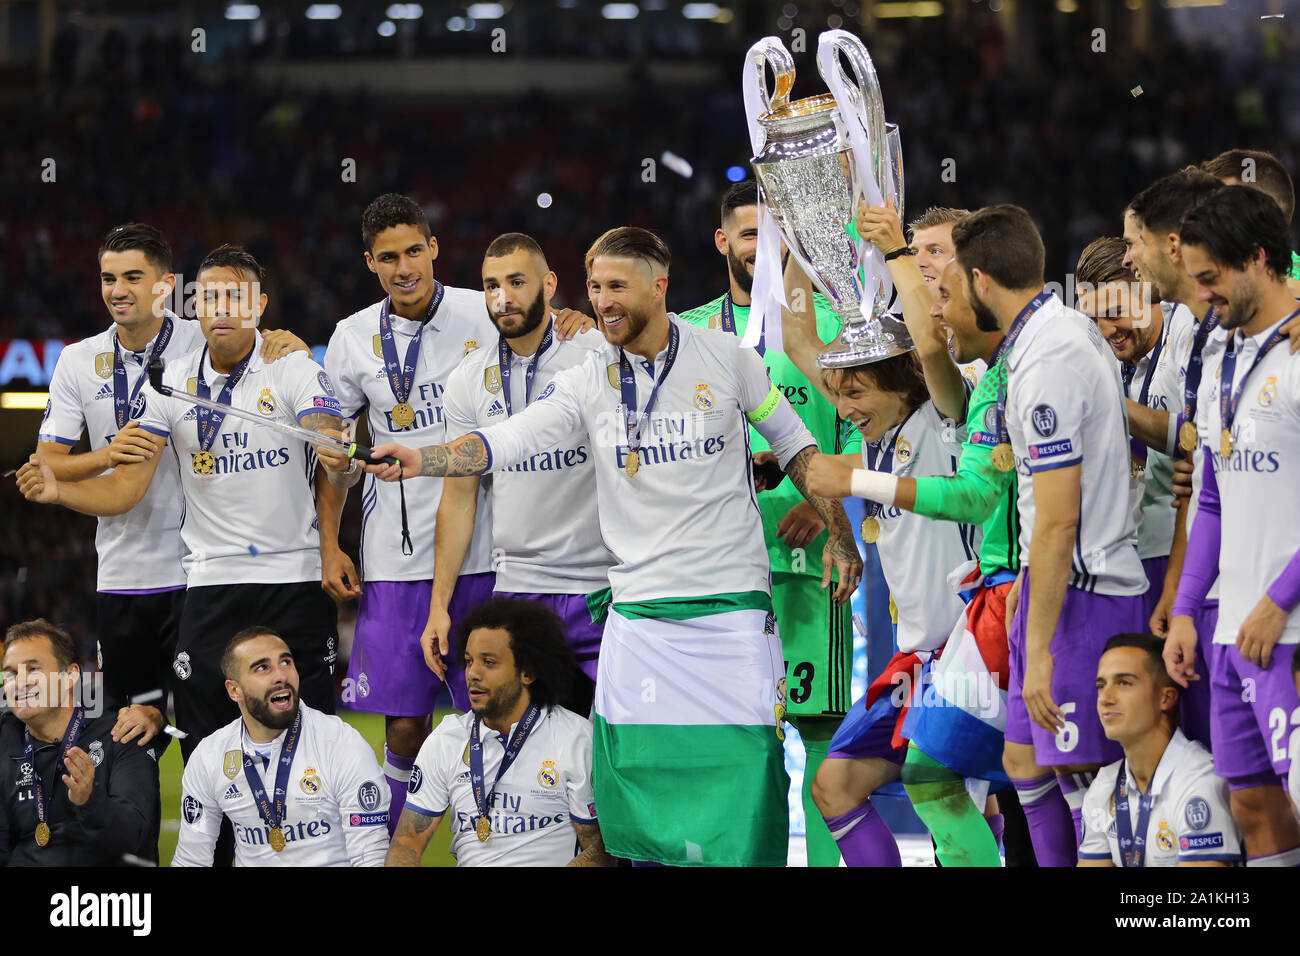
x: 1257, y: 809
x: 828, y: 788
x: 404, y: 735
x: 1019, y: 762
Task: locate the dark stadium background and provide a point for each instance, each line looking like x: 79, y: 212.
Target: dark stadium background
x: 245, y: 142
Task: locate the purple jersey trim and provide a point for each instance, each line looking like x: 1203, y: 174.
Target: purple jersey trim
x: 1285, y: 590
x: 1201, y: 564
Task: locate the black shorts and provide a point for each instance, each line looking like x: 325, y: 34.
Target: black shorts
x: 301, y: 613
x: 136, y: 643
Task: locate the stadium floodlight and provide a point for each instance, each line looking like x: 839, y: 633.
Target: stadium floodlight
x: 27, y: 400
x: 243, y: 11
x: 486, y: 11
x: 359, y: 452
x: 700, y: 11
x: 735, y: 174
x: 404, y: 11
x: 324, y: 11
x: 456, y: 24
x: 387, y: 28
x: 544, y: 200
x: 620, y: 11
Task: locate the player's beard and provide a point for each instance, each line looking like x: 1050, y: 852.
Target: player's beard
x: 533, y: 316
x: 634, y: 323
x: 503, y: 700
x: 1241, y: 308
x: 259, y: 708
x: 985, y: 320
x: 740, y: 272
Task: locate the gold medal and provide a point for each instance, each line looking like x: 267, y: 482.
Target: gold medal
x: 1187, y: 436
x: 633, y: 463
x: 204, y: 463
x: 870, y: 530
x: 403, y: 415
x: 42, y: 833
x: 1225, y: 444
x: 780, y: 716
x: 1004, y: 459
x: 483, y: 829
x: 277, y: 839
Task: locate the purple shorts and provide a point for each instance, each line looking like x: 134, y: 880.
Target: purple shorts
x: 1194, y: 709
x: 387, y: 668
x: 1155, y: 569
x: 1251, y: 734
x: 575, y: 613
x: 1086, y: 623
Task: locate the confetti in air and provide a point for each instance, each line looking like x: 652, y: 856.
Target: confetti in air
x: 1136, y: 91
x: 678, y: 165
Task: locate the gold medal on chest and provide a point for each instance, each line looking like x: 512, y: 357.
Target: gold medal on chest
x: 483, y: 829
x: 204, y: 463
x: 403, y: 415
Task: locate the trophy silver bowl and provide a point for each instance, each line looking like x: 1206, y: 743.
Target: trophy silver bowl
x: 809, y: 180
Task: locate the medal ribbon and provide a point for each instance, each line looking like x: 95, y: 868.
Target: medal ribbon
x: 209, y: 422
x: 1195, y: 363
x: 516, y: 742
x: 1132, y: 848
x: 401, y: 378
x: 503, y: 359
x: 1137, y: 448
x: 1229, y: 397
x: 29, y: 755
x: 635, y: 422
x: 728, y: 322
x: 886, y: 461
x: 1004, y: 347
x: 273, y: 814
x: 122, y: 402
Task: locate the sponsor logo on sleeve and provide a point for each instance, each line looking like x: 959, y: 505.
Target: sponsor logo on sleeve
x: 368, y: 819
x: 1197, y: 813
x: 1044, y: 419
x: 192, y: 810
x: 1051, y: 449
x: 368, y: 795
x: 1201, y: 841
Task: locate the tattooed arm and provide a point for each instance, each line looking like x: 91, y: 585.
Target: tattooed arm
x: 462, y: 458
x: 414, y: 830
x: 593, y: 847
x: 332, y: 458
x: 841, y: 552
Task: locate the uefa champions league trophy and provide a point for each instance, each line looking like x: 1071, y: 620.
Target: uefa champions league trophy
x: 813, y: 159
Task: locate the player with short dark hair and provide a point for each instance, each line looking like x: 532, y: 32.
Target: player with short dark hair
x: 300, y: 788
x: 1235, y: 246
x: 70, y: 794
x: 1161, y: 805
x: 507, y: 794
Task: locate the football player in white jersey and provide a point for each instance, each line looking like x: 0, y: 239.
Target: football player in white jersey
x: 249, y: 522
x: 1235, y: 245
x: 1162, y: 805
x: 98, y: 388
x: 667, y: 407
x: 1064, y: 416
x: 509, y: 795
x: 554, y: 557
x: 300, y: 788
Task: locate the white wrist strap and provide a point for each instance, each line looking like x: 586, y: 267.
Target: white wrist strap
x: 873, y: 486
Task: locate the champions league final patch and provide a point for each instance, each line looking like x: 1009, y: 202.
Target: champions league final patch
x: 326, y: 385
x: 1044, y: 419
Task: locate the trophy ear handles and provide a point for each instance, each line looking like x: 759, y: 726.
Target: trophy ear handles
x: 863, y: 84
x: 770, y: 51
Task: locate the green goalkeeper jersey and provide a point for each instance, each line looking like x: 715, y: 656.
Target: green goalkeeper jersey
x: 978, y: 493
x: 834, y: 436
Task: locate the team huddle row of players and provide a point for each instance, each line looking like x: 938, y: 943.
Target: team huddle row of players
x: 581, y: 517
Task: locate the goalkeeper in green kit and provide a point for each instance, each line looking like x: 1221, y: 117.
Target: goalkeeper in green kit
x: 816, y: 634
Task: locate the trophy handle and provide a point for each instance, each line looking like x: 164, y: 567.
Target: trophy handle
x: 770, y: 51
x: 864, y: 88
x: 895, y: 143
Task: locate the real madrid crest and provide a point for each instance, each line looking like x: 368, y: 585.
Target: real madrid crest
x: 104, y: 364
x: 470, y: 346
x: 903, y: 450
x: 1268, y: 393
x: 492, y: 378
x: 611, y: 372
x: 95, y: 752
x: 234, y: 759
x: 266, y: 402
x: 548, y: 776
x: 310, y: 782
x: 1165, y: 837
x: 703, y: 397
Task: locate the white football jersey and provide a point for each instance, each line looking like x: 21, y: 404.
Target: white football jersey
x: 545, y: 533
x: 918, y: 553
x: 687, y: 523
x: 355, y: 362
x: 1189, y: 819
x: 336, y: 807
x: 534, y: 804
x: 252, y: 519
x: 1065, y: 407
x: 1165, y: 393
x: 1257, y: 482
x: 1213, y: 344
x: 141, y: 549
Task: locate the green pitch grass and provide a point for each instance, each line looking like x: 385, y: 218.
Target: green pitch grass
x: 371, y: 727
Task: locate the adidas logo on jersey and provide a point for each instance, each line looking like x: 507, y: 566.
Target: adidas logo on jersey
x: 105, y: 391
x: 496, y: 408
x: 232, y: 792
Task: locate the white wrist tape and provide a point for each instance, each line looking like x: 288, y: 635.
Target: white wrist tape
x: 873, y: 486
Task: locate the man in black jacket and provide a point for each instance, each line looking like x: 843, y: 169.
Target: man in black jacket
x: 70, y: 795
